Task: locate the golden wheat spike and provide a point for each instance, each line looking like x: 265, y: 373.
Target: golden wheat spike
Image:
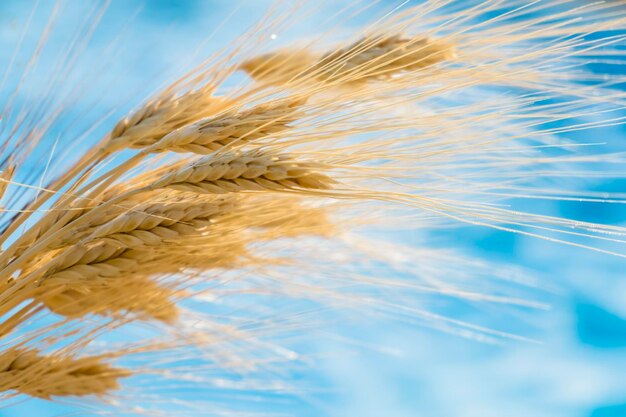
x: 110, y: 296
x: 156, y: 119
x: 380, y: 58
x: 29, y: 372
x: 159, y: 209
x: 144, y: 127
x: 202, y: 137
x: 119, y: 282
x: 130, y: 231
x: 377, y: 58
x: 108, y: 271
x: 245, y: 171
x: 125, y: 282
x: 61, y: 215
x: 232, y: 128
x: 279, y: 67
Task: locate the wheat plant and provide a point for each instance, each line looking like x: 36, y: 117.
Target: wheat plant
x: 264, y: 176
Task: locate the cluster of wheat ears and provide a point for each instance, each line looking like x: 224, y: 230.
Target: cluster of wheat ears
x: 265, y: 188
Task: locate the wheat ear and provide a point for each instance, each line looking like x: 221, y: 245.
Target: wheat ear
x: 110, y: 296
x: 232, y: 128
x: 154, y: 120
x: 369, y: 59
x: 29, y: 372
x: 246, y: 171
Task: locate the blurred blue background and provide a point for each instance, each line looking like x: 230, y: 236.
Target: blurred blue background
x: 574, y: 367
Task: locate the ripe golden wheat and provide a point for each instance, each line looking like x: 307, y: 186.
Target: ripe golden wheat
x: 260, y: 187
